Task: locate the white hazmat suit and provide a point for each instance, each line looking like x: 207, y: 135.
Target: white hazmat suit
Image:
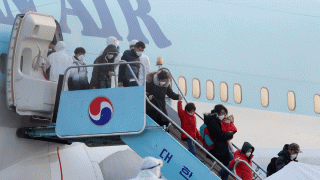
x: 59, y: 62
x: 150, y: 169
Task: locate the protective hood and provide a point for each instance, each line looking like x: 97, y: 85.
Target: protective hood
x: 112, y: 40
x: 109, y: 49
x: 156, y: 81
x: 59, y: 61
x: 133, y: 42
x: 61, y: 46
x: 245, y: 148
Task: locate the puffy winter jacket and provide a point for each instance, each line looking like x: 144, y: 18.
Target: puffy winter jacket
x: 188, y: 124
x: 243, y: 171
x: 124, y: 72
x: 227, y: 127
x: 284, y: 158
x: 101, y: 73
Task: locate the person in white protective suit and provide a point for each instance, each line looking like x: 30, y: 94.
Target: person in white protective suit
x: 150, y: 169
x: 113, y: 40
x: 144, y: 59
x: 59, y: 62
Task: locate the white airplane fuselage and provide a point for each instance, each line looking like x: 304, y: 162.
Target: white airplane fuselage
x: 254, y: 45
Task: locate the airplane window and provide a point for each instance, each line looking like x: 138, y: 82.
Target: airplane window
x: 291, y: 100
x: 210, y: 90
x: 224, y: 91
x: 183, y: 85
x: 317, y: 103
x: 196, y: 88
x: 237, y: 93
x: 264, y: 97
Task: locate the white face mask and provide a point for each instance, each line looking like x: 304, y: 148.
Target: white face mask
x: 190, y: 113
x: 139, y: 53
x: 162, y: 83
x: 221, y: 117
x: 248, y: 154
x: 81, y: 57
x: 110, y: 56
x: 293, y: 156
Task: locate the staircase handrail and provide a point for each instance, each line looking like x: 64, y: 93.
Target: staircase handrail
x: 122, y: 62
x: 184, y: 97
x: 240, y: 160
x: 178, y: 127
x: 200, y: 146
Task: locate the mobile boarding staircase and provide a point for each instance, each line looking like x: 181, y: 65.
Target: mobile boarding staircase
x: 116, y: 116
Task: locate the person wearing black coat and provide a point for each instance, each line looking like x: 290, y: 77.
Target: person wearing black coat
x: 213, y: 122
x: 288, y: 154
x: 101, y: 75
x: 157, y: 87
x: 285, y: 156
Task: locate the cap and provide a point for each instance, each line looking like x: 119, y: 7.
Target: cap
x: 294, y: 147
x: 133, y: 42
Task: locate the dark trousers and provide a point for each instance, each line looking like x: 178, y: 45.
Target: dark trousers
x: 105, y: 83
x: 157, y: 117
x: 224, y: 174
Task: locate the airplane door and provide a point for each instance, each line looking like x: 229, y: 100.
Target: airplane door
x: 28, y: 90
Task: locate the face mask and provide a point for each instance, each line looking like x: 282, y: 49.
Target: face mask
x: 132, y: 48
x: 248, y: 154
x: 162, y: 83
x: 110, y: 56
x: 190, y: 113
x: 81, y: 57
x: 293, y: 156
x: 139, y: 53
x: 221, y: 117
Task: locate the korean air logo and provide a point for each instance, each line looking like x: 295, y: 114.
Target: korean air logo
x: 100, y: 111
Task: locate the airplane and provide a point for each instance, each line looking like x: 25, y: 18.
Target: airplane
x: 256, y: 58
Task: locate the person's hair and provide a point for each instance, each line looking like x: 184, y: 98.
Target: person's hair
x: 140, y: 44
x: 79, y: 50
x: 217, y: 109
x: 163, y: 75
x: 189, y: 107
x: 294, y: 147
x: 54, y: 41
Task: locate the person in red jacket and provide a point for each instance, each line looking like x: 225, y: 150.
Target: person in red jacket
x: 189, y: 124
x: 245, y: 153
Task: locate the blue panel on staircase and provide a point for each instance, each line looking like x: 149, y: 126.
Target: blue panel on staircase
x: 100, y: 112
x: 178, y: 163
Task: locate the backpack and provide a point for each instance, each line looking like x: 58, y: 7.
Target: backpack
x: 271, y: 169
x: 209, y: 143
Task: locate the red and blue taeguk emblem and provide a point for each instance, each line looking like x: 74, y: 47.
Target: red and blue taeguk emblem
x: 100, y: 111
